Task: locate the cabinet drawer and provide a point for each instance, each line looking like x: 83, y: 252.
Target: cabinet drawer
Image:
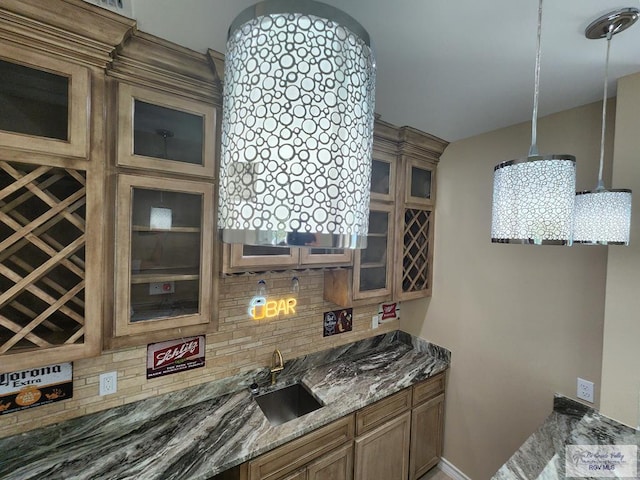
x: 428, y: 389
x: 370, y: 417
x: 299, y: 452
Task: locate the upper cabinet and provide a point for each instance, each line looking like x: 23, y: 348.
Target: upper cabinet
x: 45, y: 103
x: 397, y: 262
x: 52, y: 157
x: 162, y: 183
x: 167, y: 133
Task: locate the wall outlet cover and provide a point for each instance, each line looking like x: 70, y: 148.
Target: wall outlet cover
x: 585, y: 390
x: 108, y: 383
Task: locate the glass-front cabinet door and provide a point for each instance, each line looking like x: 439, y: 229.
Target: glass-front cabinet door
x: 44, y: 103
x: 326, y: 256
x: 239, y: 257
x: 420, y: 182
x: 164, y: 132
x: 383, y: 177
x: 164, y: 234
x: 372, y: 272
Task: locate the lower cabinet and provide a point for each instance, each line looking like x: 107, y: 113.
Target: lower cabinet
x: 427, y: 422
x: 382, y: 454
x: 396, y: 438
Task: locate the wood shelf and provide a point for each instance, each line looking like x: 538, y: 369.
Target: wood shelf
x: 165, y: 275
x: 373, y: 265
x: 143, y: 228
x: 377, y: 235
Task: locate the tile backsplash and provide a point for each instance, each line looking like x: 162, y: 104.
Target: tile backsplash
x: 240, y: 344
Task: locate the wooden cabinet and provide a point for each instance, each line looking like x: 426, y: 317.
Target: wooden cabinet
x: 382, y: 441
x: 403, y: 186
x: 52, y: 154
x: 260, y: 258
x: 162, y: 176
x: 427, y: 426
x: 309, y: 456
x: 337, y: 465
x: 164, y: 239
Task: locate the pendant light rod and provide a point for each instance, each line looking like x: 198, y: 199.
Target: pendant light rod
x: 600, y: 185
x: 533, y: 149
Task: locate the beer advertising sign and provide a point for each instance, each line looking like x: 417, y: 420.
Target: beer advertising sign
x: 35, y: 386
x: 175, y: 356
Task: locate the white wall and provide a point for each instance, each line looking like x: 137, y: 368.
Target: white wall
x: 522, y: 322
x: 621, y: 355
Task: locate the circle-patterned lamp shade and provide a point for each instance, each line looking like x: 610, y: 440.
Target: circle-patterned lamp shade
x: 297, y: 127
x: 602, y: 217
x: 533, y: 200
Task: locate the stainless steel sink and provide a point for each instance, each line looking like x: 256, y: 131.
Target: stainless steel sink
x: 288, y: 403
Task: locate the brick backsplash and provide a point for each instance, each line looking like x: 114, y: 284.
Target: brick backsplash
x: 240, y: 344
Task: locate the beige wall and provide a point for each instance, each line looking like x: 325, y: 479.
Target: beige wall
x: 240, y: 345
x: 621, y: 354
x: 522, y: 322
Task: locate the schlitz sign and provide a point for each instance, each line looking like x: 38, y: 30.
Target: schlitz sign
x: 175, y: 356
x: 35, y: 386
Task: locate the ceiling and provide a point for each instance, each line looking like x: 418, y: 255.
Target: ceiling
x: 452, y: 68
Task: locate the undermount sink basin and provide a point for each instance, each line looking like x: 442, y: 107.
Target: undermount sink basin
x: 288, y: 403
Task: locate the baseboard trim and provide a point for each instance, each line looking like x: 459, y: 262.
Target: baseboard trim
x: 450, y: 469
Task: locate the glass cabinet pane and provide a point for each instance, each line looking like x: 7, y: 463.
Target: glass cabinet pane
x: 167, y: 134
x: 165, y: 254
x: 420, y: 182
x: 373, y: 259
x: 34, y: 102
x: 380, y: 177
x: 262, y: 251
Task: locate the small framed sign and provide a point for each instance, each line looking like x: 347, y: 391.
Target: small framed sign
x: 175, y: 356
x: 337, y: 321
x: 35, y: 386
x: 388, y: 312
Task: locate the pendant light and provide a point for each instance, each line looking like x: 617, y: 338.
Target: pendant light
x: 603, y: 217
x: 533, y: 197
x: 297, y: 127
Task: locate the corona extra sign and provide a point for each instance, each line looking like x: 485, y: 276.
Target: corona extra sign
x: 260, y: 308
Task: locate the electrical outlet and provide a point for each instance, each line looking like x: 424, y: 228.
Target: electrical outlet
x: 158, y: 288
x: 585, y: 390
x: 108, y: 383
x: 375, y: 322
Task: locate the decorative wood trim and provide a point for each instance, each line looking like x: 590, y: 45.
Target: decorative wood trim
x: 71, y: 29
x: 338, y: 259
x: 149, y: 61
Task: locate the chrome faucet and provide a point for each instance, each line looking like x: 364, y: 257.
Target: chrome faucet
x: 277, y: 365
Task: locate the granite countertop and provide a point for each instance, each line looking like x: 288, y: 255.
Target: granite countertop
x: 542, y: 456
x: 198, y: 432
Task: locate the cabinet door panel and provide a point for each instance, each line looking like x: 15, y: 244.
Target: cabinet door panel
x: 325, y: 256
x: 426, y: 436
x: 44, y: 103
x: 337, y: 465
x: 164, y: 254
x: 383, y: 454
x: 240, y: 257
x: 372, y: 268
x: 165, y: 133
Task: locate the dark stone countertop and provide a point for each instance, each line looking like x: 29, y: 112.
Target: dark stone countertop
x: 200, y: 431
x: 543, y: 454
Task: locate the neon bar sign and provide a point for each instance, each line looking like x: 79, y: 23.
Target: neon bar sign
x: 260, y: 308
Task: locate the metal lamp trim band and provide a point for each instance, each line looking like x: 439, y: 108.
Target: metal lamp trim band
x: 304, y: 7
x: 321, y: 240
x: 535, y: 158
x: 615, y: 190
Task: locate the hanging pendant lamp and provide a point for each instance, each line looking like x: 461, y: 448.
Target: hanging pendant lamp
x: 297, y: 127
x: 602, y: 216
x: 533, y: 197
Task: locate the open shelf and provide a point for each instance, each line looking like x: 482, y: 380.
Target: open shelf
x: 143, y: 228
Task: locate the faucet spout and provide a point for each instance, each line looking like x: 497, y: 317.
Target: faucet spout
x: 277, y: 365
